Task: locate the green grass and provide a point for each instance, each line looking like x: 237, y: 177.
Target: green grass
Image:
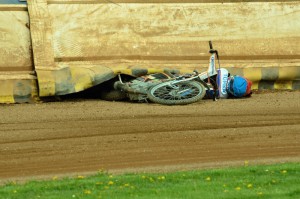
x: 269, y: 181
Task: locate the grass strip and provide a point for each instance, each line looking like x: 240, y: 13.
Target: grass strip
x: 265, y: 181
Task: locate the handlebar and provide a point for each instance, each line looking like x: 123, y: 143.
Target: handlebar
x: 211, y: 50
x: 210, y: 45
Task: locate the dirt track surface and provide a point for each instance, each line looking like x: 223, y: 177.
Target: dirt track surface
x: 82, y: 136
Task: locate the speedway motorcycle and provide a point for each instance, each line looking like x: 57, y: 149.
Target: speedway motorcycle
x: 168, y: 88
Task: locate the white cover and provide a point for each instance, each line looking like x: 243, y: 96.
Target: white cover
x: 222, y: 80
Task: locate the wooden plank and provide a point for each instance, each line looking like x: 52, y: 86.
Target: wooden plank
x: 41, y: 34
x: 82, y: 36
x: 10, y: 7
x: 17, y: 80
x: 15, y: 43
x: 157, y: 1
x: 175, y: 31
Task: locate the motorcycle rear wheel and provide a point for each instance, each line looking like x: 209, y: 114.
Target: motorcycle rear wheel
x: 185, y: 93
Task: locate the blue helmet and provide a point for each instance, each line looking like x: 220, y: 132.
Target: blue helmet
x: 239, y: 86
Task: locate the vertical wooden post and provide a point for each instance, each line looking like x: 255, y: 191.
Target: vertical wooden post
x: 41, y: 34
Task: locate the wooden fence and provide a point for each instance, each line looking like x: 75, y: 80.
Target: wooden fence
x: 77, y: 44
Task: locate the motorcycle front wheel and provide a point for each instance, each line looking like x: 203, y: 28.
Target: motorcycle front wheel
x: 176, y: 94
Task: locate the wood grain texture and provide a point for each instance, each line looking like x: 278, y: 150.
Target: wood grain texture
x: 12, y: 7
x: 15, y: 42
x: 158, y: 1
x: 180, y: 32
x: 41, y: 33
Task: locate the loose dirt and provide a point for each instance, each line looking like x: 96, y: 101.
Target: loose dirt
x: 82, y: 136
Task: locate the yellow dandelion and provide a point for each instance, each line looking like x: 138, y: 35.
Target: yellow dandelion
x: 151, y: 179
x: 144, y: 177
x: 87, y: 191
x: 208, y: 178
x: 161, y: 178
x: 238, y: 188
x: 284, y: 171
x: 259, y: 193
x: 246, y: 163
x: 110, y: 183
x: 126, y: 185
x: 249, y: 186
x: 54, y: 178
x: 80, y: 177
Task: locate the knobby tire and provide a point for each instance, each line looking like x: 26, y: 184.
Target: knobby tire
x: 161, y: 93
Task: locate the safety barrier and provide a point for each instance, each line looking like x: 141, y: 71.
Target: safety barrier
x: 72, y: 45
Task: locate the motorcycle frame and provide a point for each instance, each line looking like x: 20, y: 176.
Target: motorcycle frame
x: 200, y: 77
x: 211, y: 71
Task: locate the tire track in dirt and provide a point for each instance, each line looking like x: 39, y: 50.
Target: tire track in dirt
x: 141, y: 137
x: 12, y: 133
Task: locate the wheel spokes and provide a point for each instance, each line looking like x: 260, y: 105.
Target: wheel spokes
x: 183, y: 91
